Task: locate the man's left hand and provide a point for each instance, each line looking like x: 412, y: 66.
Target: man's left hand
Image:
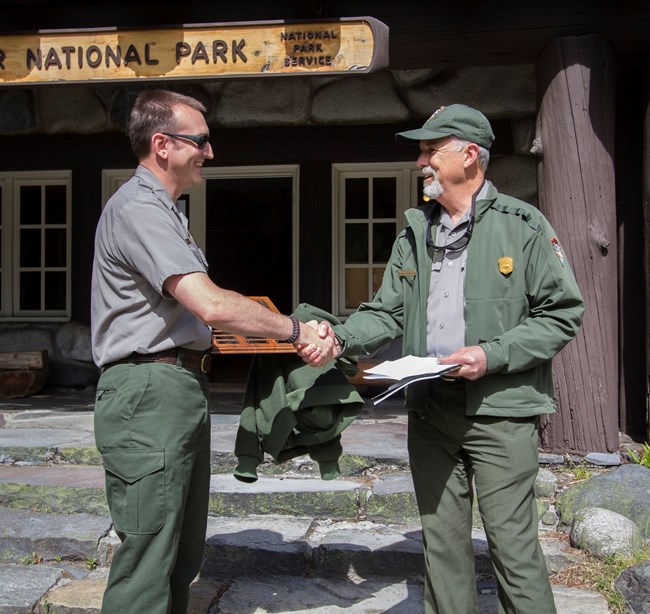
x: 472, y: 361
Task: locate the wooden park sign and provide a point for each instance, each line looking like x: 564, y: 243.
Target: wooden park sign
x: 346, y: 45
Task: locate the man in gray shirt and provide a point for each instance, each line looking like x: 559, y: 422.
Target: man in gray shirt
x: 151, y: 311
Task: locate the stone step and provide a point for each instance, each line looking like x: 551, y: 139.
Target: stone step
x: 319, y: 564
x: 45, y: 590
x: 41, y: 437
x: 75, y: 488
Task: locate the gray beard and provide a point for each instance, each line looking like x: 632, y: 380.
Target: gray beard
x: 433, y: 190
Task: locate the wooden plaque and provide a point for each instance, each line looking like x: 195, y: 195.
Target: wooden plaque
x: 229, y: 343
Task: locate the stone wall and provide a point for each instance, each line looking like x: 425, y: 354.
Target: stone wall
x: 67, y: 345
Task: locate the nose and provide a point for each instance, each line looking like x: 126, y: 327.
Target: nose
x: 423, y: 160
x: 207, y: 151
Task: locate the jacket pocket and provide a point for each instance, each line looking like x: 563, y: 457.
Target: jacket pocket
x: 135, y: 488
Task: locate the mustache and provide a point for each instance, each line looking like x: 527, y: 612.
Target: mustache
x: 427, y: 171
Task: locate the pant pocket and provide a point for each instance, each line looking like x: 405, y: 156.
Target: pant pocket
x: 135, y: 488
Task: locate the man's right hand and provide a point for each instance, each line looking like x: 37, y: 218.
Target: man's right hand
x: 326, y: 348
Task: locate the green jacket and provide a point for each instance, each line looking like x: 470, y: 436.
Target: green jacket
x: 521, y: 319
x: 291, y: 409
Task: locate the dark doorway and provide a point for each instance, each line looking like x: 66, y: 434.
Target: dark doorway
x: 249, y: 236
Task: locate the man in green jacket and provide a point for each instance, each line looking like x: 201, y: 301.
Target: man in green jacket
x: 477, y: 279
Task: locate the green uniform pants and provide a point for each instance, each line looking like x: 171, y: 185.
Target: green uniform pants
x: 152, y: 427
x: 448, y: 451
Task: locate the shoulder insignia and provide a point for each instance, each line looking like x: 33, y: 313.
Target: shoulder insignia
x: 557, y: 248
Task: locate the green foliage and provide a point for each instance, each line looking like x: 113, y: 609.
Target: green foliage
x: 580, y: 471
x: 601, y: 574
x: 643, y: 458
x: 91, y: 563
x: 32, y: 559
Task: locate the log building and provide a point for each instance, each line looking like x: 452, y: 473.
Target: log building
x: 307, y: 187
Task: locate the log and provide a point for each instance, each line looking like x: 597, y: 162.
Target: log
x: 576, y: 185
x: 646, y: 229
x: 23, y: 360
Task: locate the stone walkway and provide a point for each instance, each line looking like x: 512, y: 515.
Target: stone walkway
x: 290, y: 542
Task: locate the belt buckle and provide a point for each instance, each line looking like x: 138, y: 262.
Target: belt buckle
x: 203, y: 362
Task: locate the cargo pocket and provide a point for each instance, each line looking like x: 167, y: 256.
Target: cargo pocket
x: 135, y: 488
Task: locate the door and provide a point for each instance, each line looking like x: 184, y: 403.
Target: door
x: 250, y: 233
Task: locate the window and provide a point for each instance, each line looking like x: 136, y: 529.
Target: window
x: 35, y: 246
x: 369, y: 200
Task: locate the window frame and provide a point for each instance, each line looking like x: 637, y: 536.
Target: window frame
x: 406, y: 174
x: 10, y: 184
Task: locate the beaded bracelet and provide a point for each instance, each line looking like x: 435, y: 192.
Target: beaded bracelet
x: 295, y: 333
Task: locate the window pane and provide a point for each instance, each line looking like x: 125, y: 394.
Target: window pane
x: 30, y: 290
x: 30, y: 204
x: 55, y: 204
x: 55, y: 290
x: 356, y: 243
x: 377, y: 276
x: 356, y: 198
x: 383, y: 236
x: 30, y: 247
x: 384, y: 196
x: 356, y: 287
x: 55, y: 247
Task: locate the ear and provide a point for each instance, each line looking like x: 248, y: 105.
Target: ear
x: 471, y: 154
x: 160, y: 145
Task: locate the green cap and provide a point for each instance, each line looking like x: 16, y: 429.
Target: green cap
x: 455, y: 120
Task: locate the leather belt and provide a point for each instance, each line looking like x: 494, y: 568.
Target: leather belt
x: 188, y: 359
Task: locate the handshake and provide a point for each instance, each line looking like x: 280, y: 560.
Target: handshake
x: 317, y: 344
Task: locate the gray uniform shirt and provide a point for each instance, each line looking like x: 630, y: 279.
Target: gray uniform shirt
x: 446, y: 302
x: 140, y: 241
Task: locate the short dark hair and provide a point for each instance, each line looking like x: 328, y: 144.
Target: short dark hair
x: 153, y: 112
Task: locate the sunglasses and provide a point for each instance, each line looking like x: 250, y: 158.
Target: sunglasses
x: 200, y: 140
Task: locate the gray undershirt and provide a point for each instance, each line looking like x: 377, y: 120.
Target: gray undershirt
x: 446, y: 302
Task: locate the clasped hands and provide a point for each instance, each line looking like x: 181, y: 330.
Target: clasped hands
x: 317, y: 344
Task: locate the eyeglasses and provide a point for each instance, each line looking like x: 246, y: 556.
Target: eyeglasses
x: 200, y: 140
x: 457, y: 244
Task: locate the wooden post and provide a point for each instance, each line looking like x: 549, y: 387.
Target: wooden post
x: 576, y: 184
x: 646, y: 232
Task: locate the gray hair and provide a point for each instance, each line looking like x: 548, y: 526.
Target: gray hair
x: 483, y: 153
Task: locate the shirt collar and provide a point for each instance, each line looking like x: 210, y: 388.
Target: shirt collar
x: 150, y: 180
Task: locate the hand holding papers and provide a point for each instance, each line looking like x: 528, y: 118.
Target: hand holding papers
x: 406, y: 371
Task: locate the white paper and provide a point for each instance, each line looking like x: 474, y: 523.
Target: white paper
x: 407, y: 367
x: 406, y: 371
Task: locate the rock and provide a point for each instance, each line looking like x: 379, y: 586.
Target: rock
x: 545, y: 483
x: 349, y: 101
x: 22, y: 382
x: 73, y: 374
x: 75, y: 108
x: 260, y: 101
x: 634, y: 585
x: 625, y: 490
x: 605, y: 460
x: 604, y: 533
x: 74, y: 343
x: 550, y: 459
x: 515, y: 175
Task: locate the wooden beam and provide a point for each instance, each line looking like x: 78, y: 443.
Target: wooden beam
x: 23, y: 360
